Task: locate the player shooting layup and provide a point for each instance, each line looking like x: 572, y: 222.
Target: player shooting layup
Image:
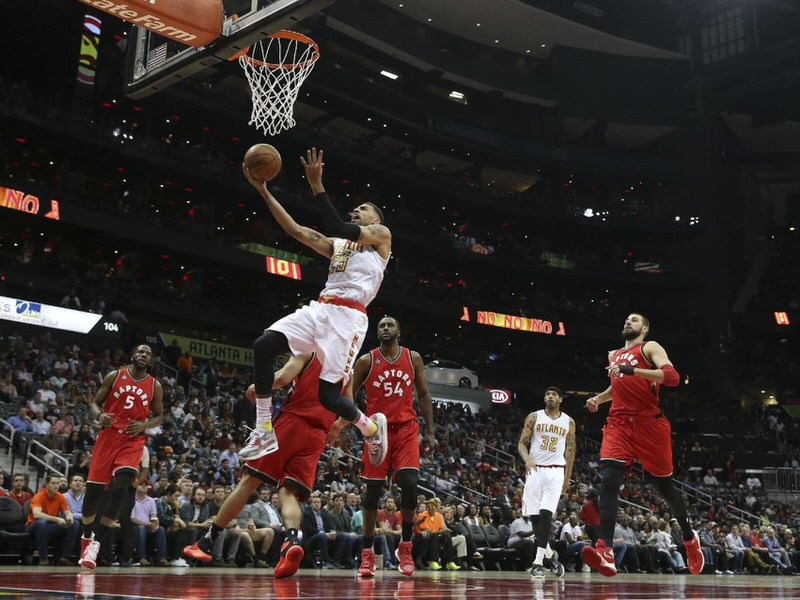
x: 547, y: 445
x: 335, y: 324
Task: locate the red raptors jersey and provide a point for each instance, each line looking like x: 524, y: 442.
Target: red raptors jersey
x: 129, y: 398
x: 631, y: 394
x: 390, y: 386
x: 302, y: 399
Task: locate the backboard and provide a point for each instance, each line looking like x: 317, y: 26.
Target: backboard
x: 155, y: 62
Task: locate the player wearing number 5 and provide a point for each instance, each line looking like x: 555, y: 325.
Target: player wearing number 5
x: 547, y: 445
x: 390, y: 374
x: 122, y: 405
x: 335, y: 324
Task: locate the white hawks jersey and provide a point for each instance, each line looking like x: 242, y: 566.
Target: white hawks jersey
x: 549, y: 439
x: 355, y: 273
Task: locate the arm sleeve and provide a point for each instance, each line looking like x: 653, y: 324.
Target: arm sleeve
x: 671, y: 376
x: 334, y: 226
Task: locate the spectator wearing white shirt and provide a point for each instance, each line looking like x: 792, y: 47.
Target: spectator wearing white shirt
x: 736, y: 547
x: 57, y: 380
x: 48, y: 394
x: 753, y: 482
x: 36, y: 404
x: 41, y: 426
x: 231, y: 454
x: 572, y: 533
x: 710, y: 479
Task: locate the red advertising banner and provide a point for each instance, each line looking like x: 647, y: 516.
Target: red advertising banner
x: 530, y: 324
x: 500, y: 396
x: 19, y: 200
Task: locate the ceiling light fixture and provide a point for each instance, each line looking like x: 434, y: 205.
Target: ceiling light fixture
x: 389, y: 74
x: 456, y: 95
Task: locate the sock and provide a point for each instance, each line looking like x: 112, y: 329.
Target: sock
x: 264, y: 412
x: 368, y: 542
x: 291, y: 534
x: 214, y: 532
x: 88, y: 530
x: 548, y: 551
x: 539, y: 556
x: 365, y: 425
x: 408, y: 529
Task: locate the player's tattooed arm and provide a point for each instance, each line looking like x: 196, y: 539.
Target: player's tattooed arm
x: 525, y: 442
x: 569, y: 455
x: 316, y: 241
x: 375, y: 235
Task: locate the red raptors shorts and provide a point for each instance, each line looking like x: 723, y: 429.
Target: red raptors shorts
x: 645, y: 438
x: 300, y: 445
x: 113, y: 451
x: 402, y: 452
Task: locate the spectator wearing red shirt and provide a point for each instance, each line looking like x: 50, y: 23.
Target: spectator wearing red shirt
x: 390, y: 523
x: 590, y: 515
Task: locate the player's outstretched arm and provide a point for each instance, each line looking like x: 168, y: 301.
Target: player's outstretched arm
x: 424, y: 398
x: 525, y: 442
x: 376, y: 235
x: 313, y: 239
x: 569, y: 455
x: 664, y: 371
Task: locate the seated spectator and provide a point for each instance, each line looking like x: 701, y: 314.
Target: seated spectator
x: 47, y: 527
x: 40, y: 425
x: 170, y: 520
x: 574, y: 536
x: 21, y: 423
x: 254, y: 519
x: 431, y: 541
x: 317, y: 532
x: 665, y: 545
x: 231, y: 455
x: 733, y: 541
x: 753, y: 482
x: 151, y: 538
x: 389, y: 524
x: 777, y: 553
x: 626, y: 551
x: 346, y: 552
x: 18, y: 490
x: 230, y: 538
x: 710, y: 480
x: 522, y: 539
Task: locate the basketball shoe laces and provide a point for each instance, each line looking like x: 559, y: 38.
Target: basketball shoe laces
x: 261, y: 439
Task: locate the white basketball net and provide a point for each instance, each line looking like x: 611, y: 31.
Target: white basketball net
x: 276, y: 67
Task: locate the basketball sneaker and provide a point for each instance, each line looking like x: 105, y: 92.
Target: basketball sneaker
x: 377, y: 443
x: 262, y: 441
x: 600, y: 558
x: 555, y: 566
x: 405, y: 562
x: 537, y: 572
x: 291, y: 555
x: 89, y: 549
x: 367, y: 567
x: 694, y: 556
x: 200, y: 550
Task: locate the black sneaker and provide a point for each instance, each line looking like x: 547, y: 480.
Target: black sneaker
x: 555, y: 566
x: 537, y: 572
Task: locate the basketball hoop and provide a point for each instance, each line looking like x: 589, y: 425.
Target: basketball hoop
x: 276, y: 67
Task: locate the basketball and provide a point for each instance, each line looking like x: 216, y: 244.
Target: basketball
x: 263, y: 161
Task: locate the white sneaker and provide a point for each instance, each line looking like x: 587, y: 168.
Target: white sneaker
x: 88, y: 558
x: 586, y: 569
x: 377, y: 443
x: 262, y: 441
x: 179, y: 563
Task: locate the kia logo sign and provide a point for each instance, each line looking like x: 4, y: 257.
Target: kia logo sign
x: 501, y: 396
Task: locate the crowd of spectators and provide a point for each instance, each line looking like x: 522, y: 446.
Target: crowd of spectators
x: 471, y: 477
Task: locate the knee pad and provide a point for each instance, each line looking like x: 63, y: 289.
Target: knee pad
x: 409, y: 478
x: 372, y: 495
x: 271, y: 343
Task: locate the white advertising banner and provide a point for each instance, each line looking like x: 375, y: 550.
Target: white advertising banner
x: 46, y: 315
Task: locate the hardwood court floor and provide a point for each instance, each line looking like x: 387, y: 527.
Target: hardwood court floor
x: 27, y: 583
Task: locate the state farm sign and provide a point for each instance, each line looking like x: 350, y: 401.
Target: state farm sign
x: 501, y: 396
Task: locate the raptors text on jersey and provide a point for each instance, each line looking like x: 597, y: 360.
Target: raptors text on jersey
x: 390, y: 386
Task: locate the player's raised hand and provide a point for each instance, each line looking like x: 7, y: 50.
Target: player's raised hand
x: 592, y: 404
x: 259, y: 185
x: 313, y: 165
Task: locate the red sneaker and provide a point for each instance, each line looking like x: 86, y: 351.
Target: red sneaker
x: 406, y: 561
x: 89, y: 550
x: 694, y: 556
x: 291, y: 555
x: 367, y: 567
x: 196, y: 552
x: 600, y: 558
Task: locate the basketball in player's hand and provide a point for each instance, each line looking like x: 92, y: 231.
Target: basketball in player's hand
x: 263, y: 161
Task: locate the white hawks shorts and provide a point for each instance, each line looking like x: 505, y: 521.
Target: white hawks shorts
x: 542, y: 490
x: 334, y: 332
